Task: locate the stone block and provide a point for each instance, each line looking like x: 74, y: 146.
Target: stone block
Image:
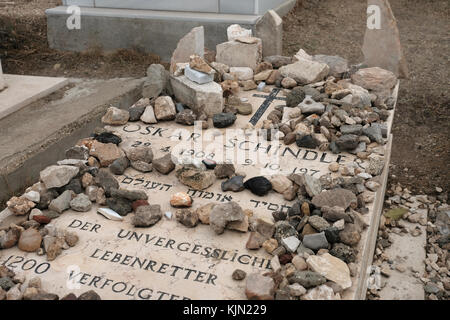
x: 197, y: 76
x: 207, y: 98
x: 270, y: 30
x: 238, y: 54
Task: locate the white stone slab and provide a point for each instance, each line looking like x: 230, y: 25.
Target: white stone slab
x: 23, y: 90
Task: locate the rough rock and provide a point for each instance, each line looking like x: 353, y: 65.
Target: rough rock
x: 259, y: 287
x: 180, y: 200
x: 278, y: 61
x: 337, y: 197
x: 239, y: 275
x: 62, y: 202
x: 164, y: 108
x: 335, y: 213
x: 20, y: 205
x: 147, y: 216
x: 131, y: 195
x: 222, y: 214
x: 318, y: 223
x: 81, y: 203
x: 106, y: 153
x: 164, y: 164
x: 187, y: 217
x: 338, y: 66
x: 305, y: 71
x: 115, y: 116
x: 315, y: 241
x: 148, y: 116
x: 77, y: 152
x: 307, y: 279
x: 343, y: 252
x: 120, y: 205
x: 106, y: 181
x: 280, y: 183
x: 58, y: 176
x: 224, y: 120
x: 204, y: 212
x: 375, y: 79
x: 332, y: 268
x: 322, y: 292
x: 242, y: 73
x: 235, y: 184
x: 350, y: 235
x: 258, y: 185
x: 195, y: 178
x: 119, y: 165
x: 295, y: 97
x: 186, y: 117
x: 235, y: 31
x: 224, y: 170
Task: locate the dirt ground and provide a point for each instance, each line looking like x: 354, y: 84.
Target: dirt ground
x: 421, y: 149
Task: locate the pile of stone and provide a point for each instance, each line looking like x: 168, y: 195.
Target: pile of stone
x: 16, y: 287
x: 403, y: 215
x: 313, y: 244
x: 29, y: 222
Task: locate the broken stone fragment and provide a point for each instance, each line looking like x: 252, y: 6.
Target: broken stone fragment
x: 77, y: 152
x: 120, y: 205
x: 239, y: 275
x: 350, y: 235
x: 288, y: 83
x: 224, y: 170
x: 62, y: 202
x: 58, y: 176
x: 119, y: 165
x: 332, y: 268
x: 204, y: 212
x: 131, y: 195
x: 148, y: 116
x: 307, y: 279
x: 147, y: 216
x: 335, y: 213
x: 280, y: 183
x: 242, y: 73
x: 322, y: 292
x: 224, y: 120
x: 235, y: 184
x: 235, y: 31
x: 81, y: 203
x: 338, y: 66
x: 180, y: 200
x: 115, y: 116
x: 187, y: 217
x: 318, y: 223
x: 315, y: 241
x: 305, y: 71
x: 164, y: 164
x: 10, y: 238
x: 110, y: 214
x: 255, y: 241
x: 337, y: 197
x: 197, y: 63
x: 375, y: 79
x: 186, y: 117
x: 239, y: 54
x: 20, y: 205
x: 278, y: 61
x: 258, y: 185
x: 222, y: 214
x: 259, y: 287
x: 192, y: 43
x: 164, y: 108
x: 195, y: 178
x: 106, y: 153
x: 343, y: 252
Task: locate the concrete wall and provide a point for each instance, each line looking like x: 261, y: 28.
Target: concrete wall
x: 150, y: 31
x: 214, y: 6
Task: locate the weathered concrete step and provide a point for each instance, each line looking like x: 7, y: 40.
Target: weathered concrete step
x: 38, y: 135
x: 157, y: 32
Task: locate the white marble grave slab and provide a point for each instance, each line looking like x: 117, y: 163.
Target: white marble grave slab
x: 169, y: 260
